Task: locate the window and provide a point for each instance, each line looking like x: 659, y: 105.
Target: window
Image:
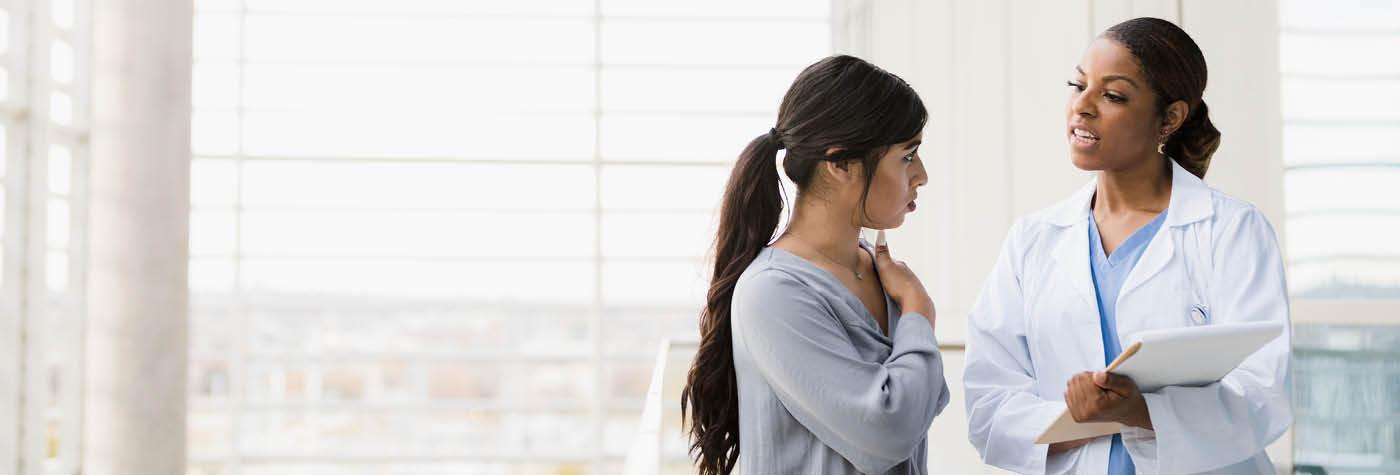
x: 45, y: 79
x: 1340, y: 84
x: 437, y: 236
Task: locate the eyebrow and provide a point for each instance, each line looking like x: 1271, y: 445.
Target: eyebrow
x: 1111, y: 77
x: 913, y: 145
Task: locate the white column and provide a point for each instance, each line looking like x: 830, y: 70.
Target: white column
x: 139, y: 251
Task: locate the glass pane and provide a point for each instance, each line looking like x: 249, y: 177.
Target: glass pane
x: 401, y: 39
x: 62, y: 13
x: 216, y: 36
x: 210, y: 380
x: 419, y: 7
x: 1360, y: 277
x: 718, y: 8
x: 1317, y: 54
x: 729, y: 90
x: 1343, y: 189
x: 655, y: 283
x: 748, y: 43
x: 627, y: 380
x: 211, y: 275
x: 1314, y: 236
x: 215, y: 84
x: 485, y: 281
x: 666, y: 234
x: 418, y: 234
x: 464, y: 381
x: 58, y: 223
x: 213, y: 183
x: 695, y: 188
x: 636, y: 330
x: 422, y: 91
x: 214, y: 132
x: 418, y: 185
x: 61, y: 108
x: 437, y: 133
x: 566, y: 332
x: 208, y: 433
x: 1346, y: 100
x: 217, y: 5
x: 56, y: 272
x: 545, y: 383
x: 1343, y: 14
x: 213, y: 232
x: 61, y: 62
x: 1324, y: 144
x: 1346, y: 398
x: 674, y: 138
x: 60, y: 169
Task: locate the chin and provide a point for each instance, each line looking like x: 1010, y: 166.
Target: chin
x: 1085, y: 162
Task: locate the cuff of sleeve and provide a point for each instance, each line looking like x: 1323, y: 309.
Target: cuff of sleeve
x: 1145, y: 446
x: 913, y: 332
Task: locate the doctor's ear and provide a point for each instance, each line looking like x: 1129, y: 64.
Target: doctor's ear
x: 1172, y: 118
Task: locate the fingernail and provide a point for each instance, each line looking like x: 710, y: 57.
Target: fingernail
x: 880, y: 239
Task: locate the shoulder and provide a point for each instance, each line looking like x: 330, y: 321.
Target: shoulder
x: 1234, y: 216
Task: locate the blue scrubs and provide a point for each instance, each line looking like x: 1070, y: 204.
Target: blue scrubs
x: 1110, y: 271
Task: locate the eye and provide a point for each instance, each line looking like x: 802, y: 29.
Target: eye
x: 1075, y: 85
x: 1115, y: 98
x: 910, y: 158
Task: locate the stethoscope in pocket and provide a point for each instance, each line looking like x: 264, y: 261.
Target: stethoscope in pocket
x: 1199, y: 315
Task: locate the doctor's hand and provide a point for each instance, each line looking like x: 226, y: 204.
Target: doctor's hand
x: 1106, y: 397
x: 900, y: 283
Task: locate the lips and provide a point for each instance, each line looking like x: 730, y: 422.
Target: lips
x: 1083, y: 138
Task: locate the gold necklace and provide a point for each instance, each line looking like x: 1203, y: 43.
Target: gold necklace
x: 854, y: 270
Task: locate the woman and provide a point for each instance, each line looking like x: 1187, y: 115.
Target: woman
x: 1145, y: 245
x: 824, y: 346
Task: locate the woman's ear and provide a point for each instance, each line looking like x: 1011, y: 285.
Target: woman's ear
x: 1173, y: 117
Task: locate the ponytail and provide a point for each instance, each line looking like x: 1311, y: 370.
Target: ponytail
x: 748, y: 217
x: 1194, y: 142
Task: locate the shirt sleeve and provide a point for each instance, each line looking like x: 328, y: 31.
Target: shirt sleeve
x: 1004, y: 415
x: 873, y: 414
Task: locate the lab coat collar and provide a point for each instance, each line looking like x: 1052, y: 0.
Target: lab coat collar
x: 1190, y: 201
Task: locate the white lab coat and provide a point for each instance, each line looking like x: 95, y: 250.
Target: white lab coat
x: 1036, y: 324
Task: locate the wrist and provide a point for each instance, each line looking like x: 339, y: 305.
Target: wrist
x: 1139, y: 417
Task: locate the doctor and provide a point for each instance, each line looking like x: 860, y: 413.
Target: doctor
x: 1144, y: 245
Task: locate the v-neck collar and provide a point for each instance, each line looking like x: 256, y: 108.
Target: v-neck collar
x: 1139, y: 238
x: 850, y: 297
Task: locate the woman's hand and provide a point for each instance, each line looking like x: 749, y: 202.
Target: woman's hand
x: 1106, y: 397
x: 900, y: 283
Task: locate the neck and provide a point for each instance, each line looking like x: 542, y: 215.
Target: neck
x: 1145, y: 187
x: 826, y: 229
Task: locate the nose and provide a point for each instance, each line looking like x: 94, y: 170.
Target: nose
x: 1082, y: 104
x: 920, y: 174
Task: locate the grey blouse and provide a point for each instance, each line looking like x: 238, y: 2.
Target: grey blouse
x: 821, y: 389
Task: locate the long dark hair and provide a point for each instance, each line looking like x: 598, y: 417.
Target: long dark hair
x: 839, y: 102
x: 1176, y: 71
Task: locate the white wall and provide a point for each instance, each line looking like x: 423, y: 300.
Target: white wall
x: 992, y: 74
